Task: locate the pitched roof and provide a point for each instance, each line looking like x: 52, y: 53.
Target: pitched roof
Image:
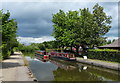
x: 114, y: 44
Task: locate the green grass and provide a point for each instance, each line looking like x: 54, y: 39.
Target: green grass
x: 109, y: 50
x: 30, y: 54
x: 105, y: 61
x: 26, y: 63
x: 1, y: 58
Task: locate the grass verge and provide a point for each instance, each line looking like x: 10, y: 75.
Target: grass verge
x: 1, y: 58
x: 26, y: 63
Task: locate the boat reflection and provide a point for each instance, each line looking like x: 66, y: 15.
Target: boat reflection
x: 61, y: 70
x: 58, y: 63
x: 63, y: 66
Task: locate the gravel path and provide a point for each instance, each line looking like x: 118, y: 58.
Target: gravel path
x: 13, y: 69
x: 100, y: 63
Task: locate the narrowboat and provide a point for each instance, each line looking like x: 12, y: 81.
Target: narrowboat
x: 59, y: 55
x: 65, y: 56
x: 43, y: 59
x: 42, y: 54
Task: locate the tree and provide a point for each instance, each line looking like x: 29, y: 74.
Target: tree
x: 0, y: 35
x: 9, y: 29
x: 81, y: 28
x: 59, y: 20
x: 63, y: 27
x: 41, y: 46
x: 75, y: 27
x: 103, y: 23
x: 84, y: 29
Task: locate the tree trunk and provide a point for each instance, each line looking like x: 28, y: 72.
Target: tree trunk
x: 12, y: 52
x: 71, y: 48
x: 84, y: 49
x: 62, y: 48
x: 77, y: 50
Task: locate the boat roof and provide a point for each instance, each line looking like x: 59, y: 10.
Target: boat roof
x: 40, y: 50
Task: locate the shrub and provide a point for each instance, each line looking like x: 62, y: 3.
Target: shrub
x: 104, y: 54
x: 6, y: 54
x: 5, y: 51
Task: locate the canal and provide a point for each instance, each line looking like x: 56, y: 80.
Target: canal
x: 61, y: 70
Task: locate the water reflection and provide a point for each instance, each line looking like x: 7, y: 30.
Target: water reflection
x: 60, y: 70
x: 74, y: 75
x: 63, y: 66
x: 42, y: 70
x: 78, y: 73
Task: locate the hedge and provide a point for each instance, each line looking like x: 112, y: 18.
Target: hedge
x: 5, y: 51
x: 113, y: 56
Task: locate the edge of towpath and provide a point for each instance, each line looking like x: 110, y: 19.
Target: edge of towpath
x: 100, y: 63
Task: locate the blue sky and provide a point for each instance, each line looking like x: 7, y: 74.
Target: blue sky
x: 34, y: 18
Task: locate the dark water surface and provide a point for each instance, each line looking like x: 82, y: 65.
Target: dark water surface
x: 60, y: 70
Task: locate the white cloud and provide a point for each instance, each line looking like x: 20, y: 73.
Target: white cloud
x: 28, y: 40
x: 112, y: 38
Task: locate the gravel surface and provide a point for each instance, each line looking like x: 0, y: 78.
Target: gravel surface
x: 13, y: 69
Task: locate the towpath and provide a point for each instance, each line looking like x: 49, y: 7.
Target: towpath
x: 13, y: 69
x: 100, y: 63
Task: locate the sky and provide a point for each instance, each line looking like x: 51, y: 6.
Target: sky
x: 34, y: 17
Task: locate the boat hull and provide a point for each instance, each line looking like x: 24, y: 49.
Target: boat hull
x: 64, y: 58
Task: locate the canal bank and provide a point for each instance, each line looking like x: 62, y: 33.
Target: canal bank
x: 100, y: 63
x: 62, y: 70
x: 13, y: 69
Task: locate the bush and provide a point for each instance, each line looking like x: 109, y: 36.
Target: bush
x: 6, y: 54
x: 5, y: 51
x: 104, y: 54
x: 27, y: 48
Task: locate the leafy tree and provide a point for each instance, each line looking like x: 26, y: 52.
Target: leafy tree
x: 59, y: 20
x: 81, y: 28
x: 41, y: 46
x: 103, y: 23
x: 0, y: 35
x: 84, y: 30
x: 8, y: 28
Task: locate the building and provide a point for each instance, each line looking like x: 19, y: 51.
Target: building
x: 114, y: 45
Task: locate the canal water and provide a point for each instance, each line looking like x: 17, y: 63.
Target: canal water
x: 61, y: 70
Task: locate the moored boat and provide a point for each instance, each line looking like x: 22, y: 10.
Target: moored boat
x: 42, y: 54
x: 60, y: 55
x: 65, y: 56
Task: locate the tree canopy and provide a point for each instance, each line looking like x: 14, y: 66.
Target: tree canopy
x: 8, y: 29
x: 81, y: 28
